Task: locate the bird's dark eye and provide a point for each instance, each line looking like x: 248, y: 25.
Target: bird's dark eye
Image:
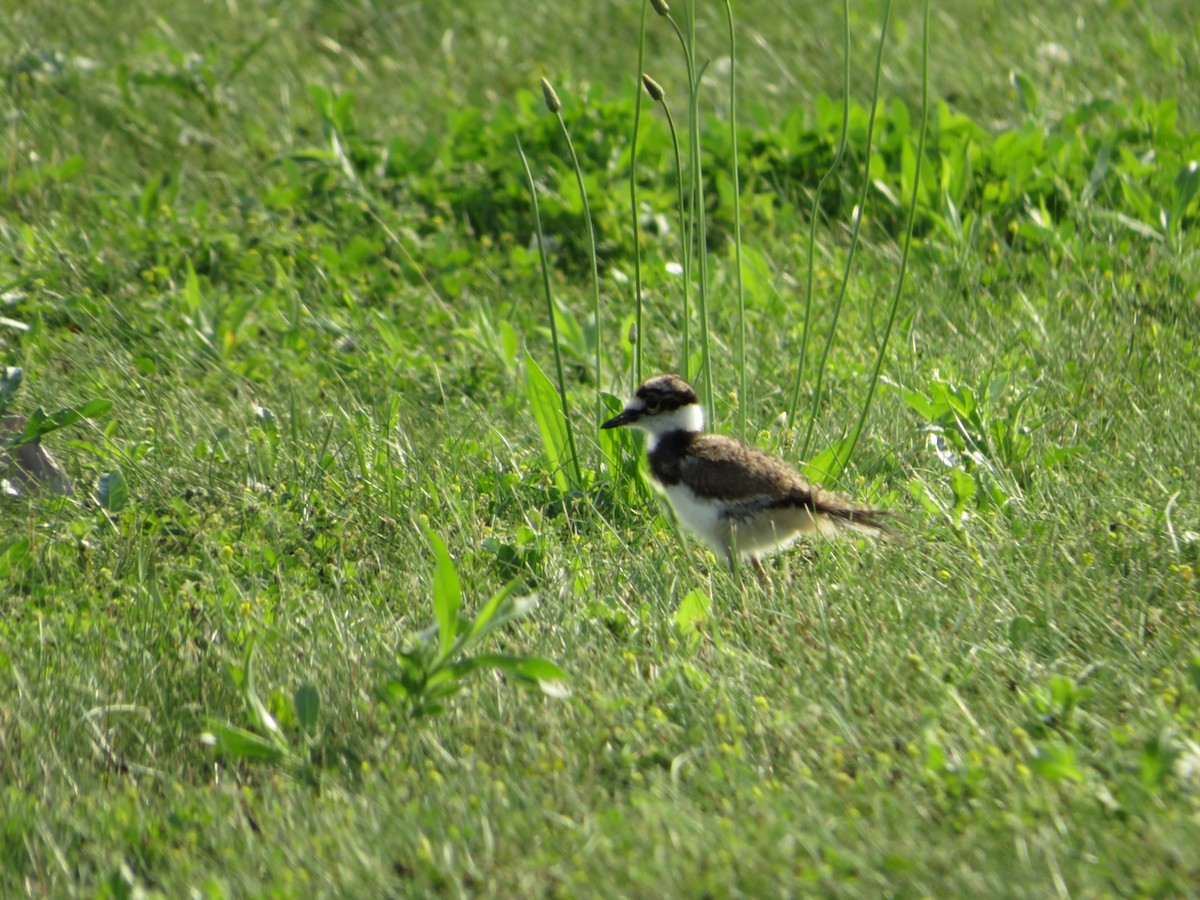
x: 652, y: 405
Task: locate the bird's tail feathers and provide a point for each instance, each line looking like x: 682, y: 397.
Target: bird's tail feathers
x: 864, y: 520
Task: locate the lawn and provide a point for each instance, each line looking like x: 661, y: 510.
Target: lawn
x: 332, y: 607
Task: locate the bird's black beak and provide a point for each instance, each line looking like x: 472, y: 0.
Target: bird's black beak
x: 624, y: 418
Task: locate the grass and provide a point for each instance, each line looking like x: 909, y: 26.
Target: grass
x: 292, y: 248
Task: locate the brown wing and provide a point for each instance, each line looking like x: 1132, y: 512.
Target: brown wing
x: 731, y: 470
x: 725, y: 468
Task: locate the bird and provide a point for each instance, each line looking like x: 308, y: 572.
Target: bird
x: 739, y: 500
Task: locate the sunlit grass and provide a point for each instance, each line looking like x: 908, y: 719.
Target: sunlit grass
x: 311, y: 312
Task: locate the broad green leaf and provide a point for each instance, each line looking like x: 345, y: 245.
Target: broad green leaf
x: 465, y: 666
x: 321, y: 99
x: 308, y: 706
x: 448, y: 673
x: 964, y: 489
x: 239, y: 743
x: 70, y: 167
x: 1055, y: 762
x: 394, y: 689
x: 1158, y: 758
x: 922, y: 495
x: 509, y: 610
x: 442, y: 691
x: 148, y: 203
x: 447, y: 595
x: 36, y: 425
x: 1134, y: 225
x: 259, y: 714
x: 533, y: 670
x: 1026, y: 93
x: 529, y: 668
x: 11, y: 553
x: 192, y: 294
x: 480, y: 624
x: 112, y: 492
x: 614, y: 441
x: 283, y: 708
x: 1187, y: 182
x: 428, y: 709
x: 962, y: 401
x: 826, y: 465
x: 311, y: 156
x: 935, y: 758
x: 94, y: 409
x: 694, y: 610
x: 540, y: 669
x: 40, y: 424
x: 546, y: 404
x: 1064, y: 693
x: 919, y: 402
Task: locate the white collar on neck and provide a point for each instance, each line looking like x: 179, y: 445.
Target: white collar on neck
x: 688, y: 418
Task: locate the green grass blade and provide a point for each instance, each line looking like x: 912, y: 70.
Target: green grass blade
x: 591, y: 233
x: 558, y: 365
x: 447, y: 595
x: 743, y: 399
x: 700, y: 224
x: 687, y: 230
x: 656, y: 91
x: 260, y: 716
x: 633, y: 201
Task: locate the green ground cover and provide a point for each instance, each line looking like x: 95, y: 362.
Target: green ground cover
x: 270, y: 272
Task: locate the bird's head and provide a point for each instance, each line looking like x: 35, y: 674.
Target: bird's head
x: 661, y: 405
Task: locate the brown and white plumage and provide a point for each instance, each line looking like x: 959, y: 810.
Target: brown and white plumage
x: 736, y: 498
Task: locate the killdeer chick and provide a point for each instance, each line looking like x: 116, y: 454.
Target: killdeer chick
x: 736, y: 498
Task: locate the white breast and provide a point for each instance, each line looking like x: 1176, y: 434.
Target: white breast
x: 701, y: 517
x: 758, y: 532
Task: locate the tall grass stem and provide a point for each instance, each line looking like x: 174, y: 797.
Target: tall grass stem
x: 912, y: 215
x: 686, y: 220
x: 700, y: 228
x: 838, y: 157
x: 654, y: 89
x: 591, y: 233
x: 633, y: 202
x: 859, y: 213
x: 558, y: 364
x: 743, y: 400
